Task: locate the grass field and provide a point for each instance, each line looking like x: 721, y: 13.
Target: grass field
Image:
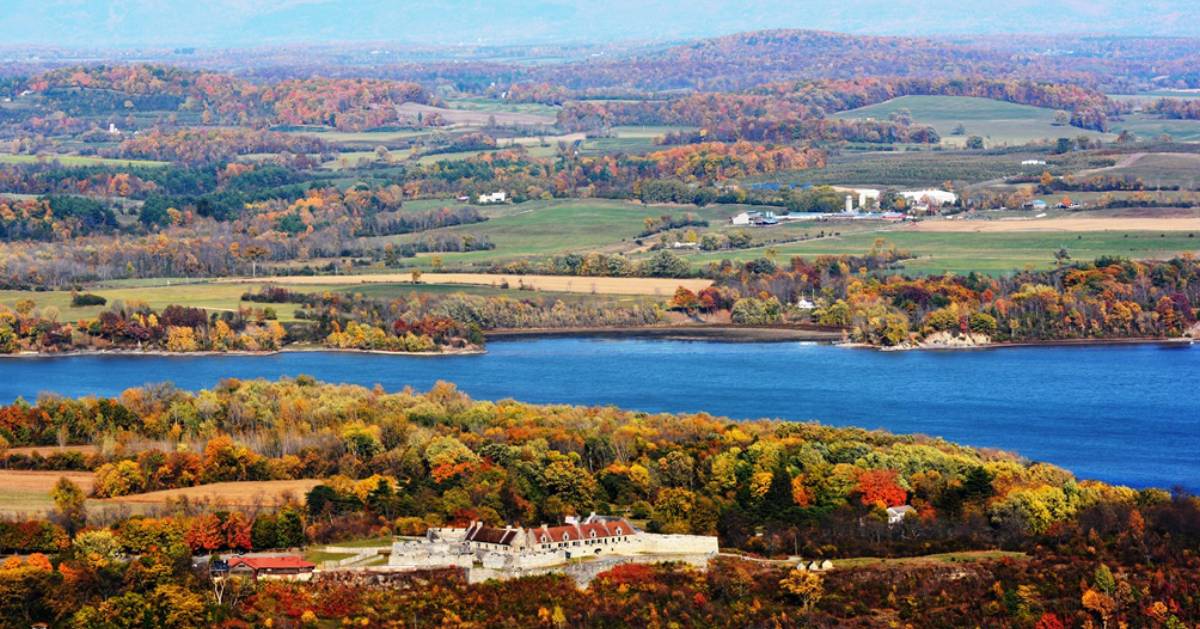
x: 911, y: 168
x: 985, y: 252
x: 77, y: 160
x: 998, y: 123
x: 28, y: 493
x: 1160, y: 169
x: 540, y: 228
x: 560, y: 283
x: 477, y: 117
x: 1149, y: 128
x: 491, y: 105
x: 966, y: 556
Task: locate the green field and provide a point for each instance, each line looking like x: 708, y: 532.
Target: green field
x: 491, y: 104
x: 1162, y: 169
x: 77, y: 160
x: 1149, y: 128
x: 998, y: 123
x: 992, y: 253
x: 911, y: 168
x: 544, y: 228
x: 221, y: 296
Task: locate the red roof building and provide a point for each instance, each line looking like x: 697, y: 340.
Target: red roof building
x: 286, y: 566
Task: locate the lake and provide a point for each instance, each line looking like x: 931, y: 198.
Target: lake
x: 1124, y: 414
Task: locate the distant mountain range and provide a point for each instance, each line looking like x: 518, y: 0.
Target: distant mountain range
x: 235, y: 23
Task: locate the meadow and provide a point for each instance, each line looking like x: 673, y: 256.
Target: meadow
x: 78, y: 160
x: 998, y: 123
x: 26, y: 493
x: 994, y: 253
x: 662, y: 287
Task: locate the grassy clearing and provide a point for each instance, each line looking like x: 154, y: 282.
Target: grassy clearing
x: 993, y: 253
x: 78, y: 160
x: 967, y: 556
x: 233, y: 494
x: 559, y: 283
x: 1150, y: 127
x: 210, y: 296
x: 911, y: 168
x: 549, y: 227
x: 1162, y: 169
x: 28, y: 493
x: 492, y: 105
x: 998, y: 122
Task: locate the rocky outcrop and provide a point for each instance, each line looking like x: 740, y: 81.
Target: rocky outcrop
x: 950, y: 340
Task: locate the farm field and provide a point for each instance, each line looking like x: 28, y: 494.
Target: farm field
x: 552, y: 227
x: 1150, y: 127
x: 28, y: 493
x: 1063, y: 224
x: 77, y: 160
x: 1159, y: 169
x: 985, y: 252
x: 561, y: 283
x: 492, y: 105
x: 476, y: 118
x: 916, y: 168
x: 998, y: 123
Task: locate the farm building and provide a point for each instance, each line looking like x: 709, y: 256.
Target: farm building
x: 931, y: 197
x: 287, y: 567
x: 754, y: 217
x: 495, y: 197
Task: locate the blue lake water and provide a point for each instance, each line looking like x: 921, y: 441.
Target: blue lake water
x: 1126, y: 414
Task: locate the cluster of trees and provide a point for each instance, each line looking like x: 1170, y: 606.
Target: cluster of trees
x: 351, y: 104
x: 662, y: 264
x: 737, y: 117
x: 467, y: 314
x: 1111, y: 297
x: 54, y: 217
x: 132, y: 325
x: 201, y: 145
x: 718, y: 161
x: 667, y: 222
x: 1175, y: 108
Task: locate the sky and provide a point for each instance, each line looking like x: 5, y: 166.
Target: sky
x: 237, y: 23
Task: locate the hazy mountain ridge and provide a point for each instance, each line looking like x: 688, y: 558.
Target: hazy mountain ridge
x: 242, y: 23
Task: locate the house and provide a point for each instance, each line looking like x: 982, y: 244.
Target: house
x: 1036, y: 204
x: 805, y: 304
x: 495, y: 197
x: 896, y: 515
x: 287, y: 567
x: 1033, y: 162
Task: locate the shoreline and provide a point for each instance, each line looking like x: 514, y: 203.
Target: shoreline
x: 715, y: 333
x: 1169, y: 342
x: 685, y: 333
x: 211, y: 353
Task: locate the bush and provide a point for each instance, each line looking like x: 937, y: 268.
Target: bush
x: 79, y: 300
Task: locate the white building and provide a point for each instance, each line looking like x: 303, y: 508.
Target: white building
x: 754, y: 217
x: 896, y: 515
x: 930, y: 197
x: 517, y: 548
x: 495, y: 197
x: 1033, y: 162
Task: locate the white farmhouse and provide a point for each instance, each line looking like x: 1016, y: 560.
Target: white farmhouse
x: 495, y: 197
